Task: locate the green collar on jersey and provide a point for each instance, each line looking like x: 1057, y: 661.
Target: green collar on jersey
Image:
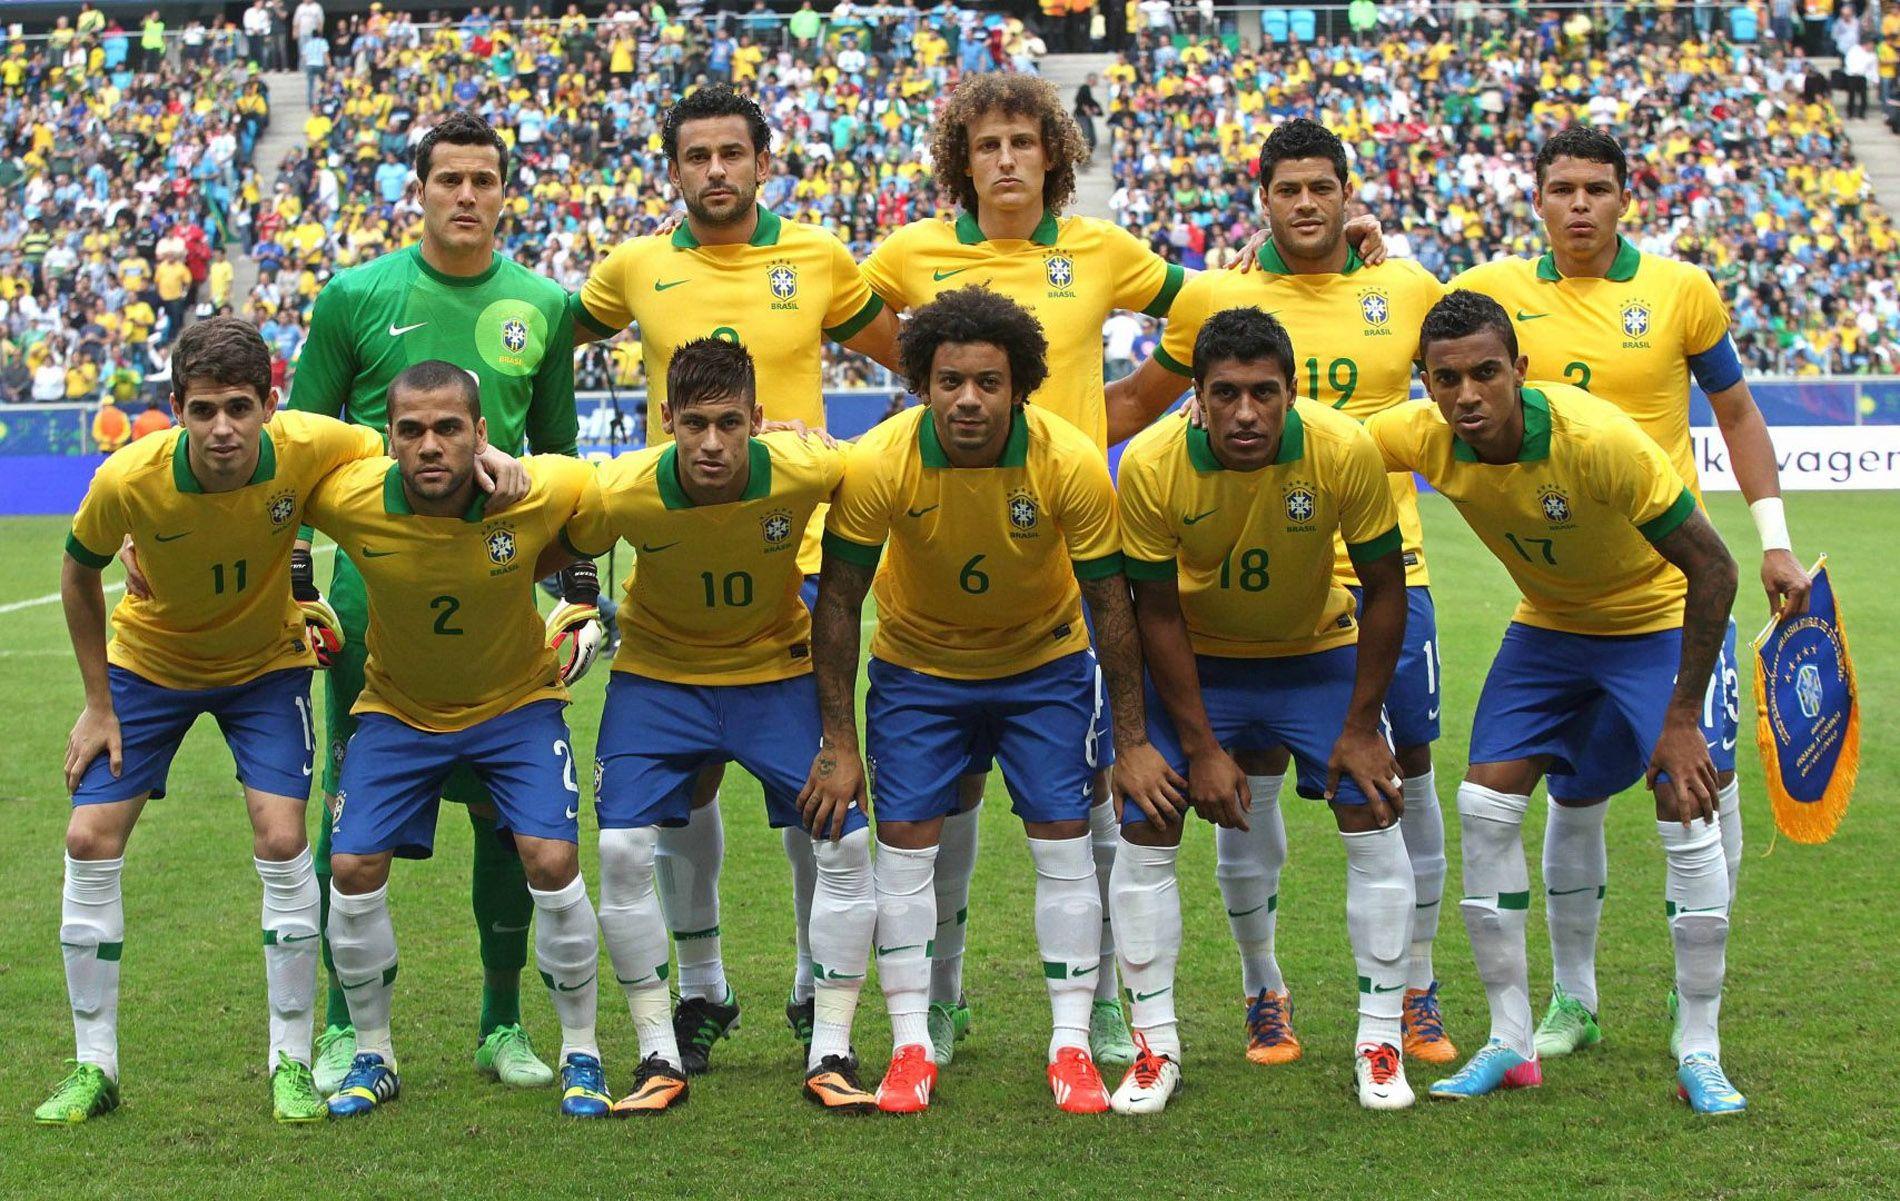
x: 396, y: 501
x: 457, y: 281
x: 1271, y: 262
x: 764, y: 234
x: 1536, y: 443
x: 1200, y: 447
x: 1622, y: 267
x: 971, y: 234
x: 758, y: 483
x: 1015, y: 447
x: 185, y: 481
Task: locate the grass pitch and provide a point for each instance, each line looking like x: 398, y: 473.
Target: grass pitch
x: 1808, y: 1022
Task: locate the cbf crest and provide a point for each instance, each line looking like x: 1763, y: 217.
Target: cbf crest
x: 1555, y: 504
x: 499, y: 540
x: 514, y: 334
x: 782, y: 278
x: 1059, y: 269
x: 1376, y: 308
x: 776, y: 527
x: 281, y: 509
x: 1024, y: 515
x: 1635, y: 320
x: 1301, y: 506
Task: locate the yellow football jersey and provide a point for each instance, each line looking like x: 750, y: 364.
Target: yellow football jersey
x: 980, y: 581
x: 1355, y: 340
x: 715, y: 599
x: 1252, y: 551
x: 1626, y: 337
x: 454, y: 635
x: 1071, y: 273
x: 1573, y: 519
x: 218, y: 562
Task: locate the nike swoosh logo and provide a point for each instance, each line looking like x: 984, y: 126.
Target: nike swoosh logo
x: 1387, y: 988
x: 1433, y: 715
x: 575, y: 988
x: 1567, y: 892
x: 646, y: 979
x: 654, y: 550
x: 909, y: 946
x: 843, y: 976
x: 1083, y: 971
x: 1704, y: 909
x: 397, y: 331
x: 376, y: 554
x: 571, y: 813
x: 1199, y: 517
x: 921, y: 512
x: 1245, y: 912
x: 498, y: 928
x: 1523, y: 316
x: 290, y: 938
x: 1149, y: 996
x: 940, y: 276
x: 172, y: 537
x: 348, y: 986
x: 660, y: 287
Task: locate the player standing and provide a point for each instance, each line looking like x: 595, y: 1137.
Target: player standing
x: 738, y: 272
x: 1228, y: 533
x: 451, y: 297
x: 1632, y: 328
x: 1602, y: 672
x: 1357, y: 328
x: 994, y: 511
x: 459, y: 676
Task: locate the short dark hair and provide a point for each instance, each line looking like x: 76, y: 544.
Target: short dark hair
x: 1244, y: 335
x: 1590, y: 145
x: 1301, y: 138
x: 430, y: 375
x: 460, y: 128
x: 710, y: 369
x: 716, y: 100
x: 1463, y: 313
x: 221, y: 350
x: 974, y: 314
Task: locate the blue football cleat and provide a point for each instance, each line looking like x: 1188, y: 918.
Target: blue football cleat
x: 1701, y: 1082
x: 1495, y: 1066
x: 584, y: 1088
x: 371, y: 1082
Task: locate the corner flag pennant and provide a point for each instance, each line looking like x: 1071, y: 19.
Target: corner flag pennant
x: 1807, y: 724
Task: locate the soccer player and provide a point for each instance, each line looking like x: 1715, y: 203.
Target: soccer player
x: 1008, y: 149
x: 212, y: 507
x: 1632, y: 328
x: 451, y: 297
x: 1626, y: 590
x: 1228, y: 533
x: 738, y: 272
x: 1356, y: 328
x: 993, y: 511
x: 459, y: 676
x: 715, y: 666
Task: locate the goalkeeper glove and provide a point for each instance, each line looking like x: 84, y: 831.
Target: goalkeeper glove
x: 574, y: 631
x: 322, y: 628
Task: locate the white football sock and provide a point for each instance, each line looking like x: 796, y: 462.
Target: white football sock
x: 635, y: 933
x: 1729, y: 811
x: 1147, y: 905
x: 1576, y: 876
x: 686, y: 867
x: 363, y: 948
x: 567, y: 950
x: 1423, y: 826
x: 292, y: 913
x: 1105, y: 836
x: 1496, y: 906
x: 804, y: 879
x: 1379, y: 901
x: 91, y: 936
x: 956, y: 863
x: 906, y: 916
x: 844, y: 917
x: 1068, y: 934
x: 1697, y: 905
x: 1247, y: 866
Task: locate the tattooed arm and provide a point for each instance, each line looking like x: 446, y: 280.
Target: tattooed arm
x: 1697, y: 550
x: 1141, y: 777
x: 837, y: 773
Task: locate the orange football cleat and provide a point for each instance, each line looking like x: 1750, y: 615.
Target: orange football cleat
x: 1076, y: 1084
x: 1270, y: 1037
x: 1425, y: 1037
x: 908, y: 1081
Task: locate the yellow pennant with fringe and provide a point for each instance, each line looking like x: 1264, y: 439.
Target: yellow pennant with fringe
x: 1807, y: 723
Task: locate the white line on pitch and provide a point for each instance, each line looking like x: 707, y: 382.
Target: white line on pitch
x: 49, y: 598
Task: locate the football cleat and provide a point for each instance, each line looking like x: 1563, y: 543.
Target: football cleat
x: 1109, y: 1043
x: 336, y: 1048
x: 1149, y: 1083
x: 293, y: 1093
x: 1567, y: 1027
x: 657, y: 1087
x: 1270, y: 1037
x: 948, y: 1025
x: 834, y: 1085
x: 86, y: 1092
x: 371, y: 1082
x: 1380, y: 1075
x: 907, y: 1082
x: 1076, y: 1084
x: 698, y: 1024
x: 1425, y: 1037
x: 1701, y: 1082
x: 1495, y: 1066
x: 584, y: 1087
x: 508, y: 1056
x: 800, y: 1015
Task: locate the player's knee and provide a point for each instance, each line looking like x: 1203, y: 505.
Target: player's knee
x: 353, y: 875
x: 970, y: 791
x: 93, y: 840
x: 548, y: 863
x: 279, y: 844
x: 1414, y: 761
x: 626, y: 858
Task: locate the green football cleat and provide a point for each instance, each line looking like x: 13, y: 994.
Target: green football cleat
x: 508, y: 1056
x: 293, y: 1093
x: 948, y: 1024
x: 86, y: 1092
x: 1567, y: 1027
x: 699, y: 1023
x: 1109, y: 1043
x: 335, y: 1050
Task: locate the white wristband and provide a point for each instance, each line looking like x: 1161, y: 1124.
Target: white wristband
x: 1771, y: 522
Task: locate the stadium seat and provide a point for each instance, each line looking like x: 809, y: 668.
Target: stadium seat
x: 1743, y: 25
x: 1273, y: 23
x: 1305, y: 25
